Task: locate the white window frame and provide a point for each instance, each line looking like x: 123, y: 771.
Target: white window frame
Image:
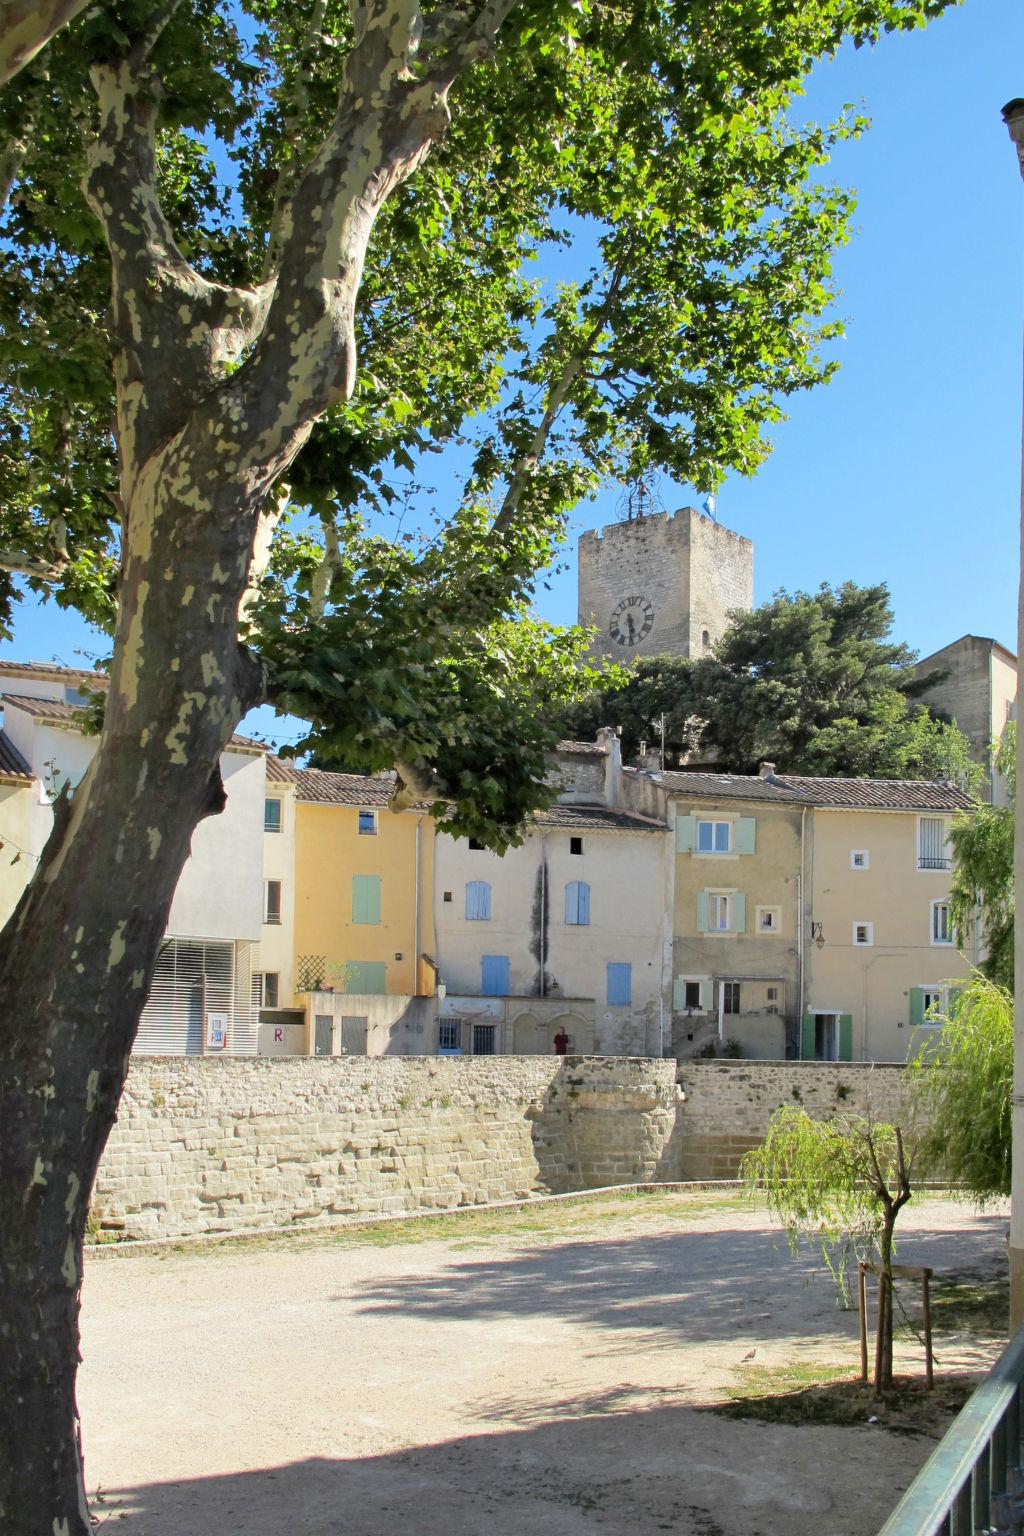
x: 273, y: 922
x: 867, y: 943
x: 948, y: 855
x: 725, y: 897
x: 698, y: 982
x: 940, y: 901
x: 273, y: 800
x: 370, y: 831
x: 733, y: 1012
x: 940, y: 995
x: 776, y: 926
x: 713, y: 823
x: 863, y: 854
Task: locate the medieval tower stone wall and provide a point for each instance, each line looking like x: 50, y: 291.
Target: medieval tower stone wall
x: 663, y: 584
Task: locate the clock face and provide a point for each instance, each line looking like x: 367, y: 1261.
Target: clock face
x: 631, y: 621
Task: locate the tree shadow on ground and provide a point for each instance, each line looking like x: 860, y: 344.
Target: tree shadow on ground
x: 638, y: 1472
x: 681, y: 1286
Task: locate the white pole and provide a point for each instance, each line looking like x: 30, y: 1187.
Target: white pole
x: 1013, y: 117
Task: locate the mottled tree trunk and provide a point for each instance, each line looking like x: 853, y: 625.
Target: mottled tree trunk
x: 76, y: 962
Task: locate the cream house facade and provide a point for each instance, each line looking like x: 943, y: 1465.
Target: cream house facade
x: 201, y: 995
x: 811, y: 915
x: 568, y: 935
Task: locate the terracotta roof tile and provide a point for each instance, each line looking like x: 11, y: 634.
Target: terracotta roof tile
x: 281, y: 770
x: 826, y: 793
x: 582, y: 748
x: 577, y: 817
x: 317, y: 787
x: 59, y: 712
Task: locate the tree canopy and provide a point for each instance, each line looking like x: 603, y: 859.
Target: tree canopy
x: 982, y: 880
x: 813, y: 683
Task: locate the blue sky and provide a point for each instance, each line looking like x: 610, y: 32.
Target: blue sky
x: 906, y: 468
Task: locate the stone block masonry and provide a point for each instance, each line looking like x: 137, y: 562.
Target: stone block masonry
x: 729, y: 1104
x: 222, y: 1145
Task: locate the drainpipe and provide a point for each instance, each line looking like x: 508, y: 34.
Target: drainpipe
x: 416, y: 913
x: 543, y: 909
x: 800, y: 937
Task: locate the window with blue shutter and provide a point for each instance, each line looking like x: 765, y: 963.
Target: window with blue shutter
x: 478, y: 901
x: 494, y: 975
x: 577, y: 903
x: 620, y: 983
x: 365, y: 976
x: 366, y: 898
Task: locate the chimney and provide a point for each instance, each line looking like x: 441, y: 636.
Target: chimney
x: 608, y: 739
x: 767, y: 771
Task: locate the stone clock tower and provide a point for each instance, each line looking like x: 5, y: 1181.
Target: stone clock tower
x: 662, y: 585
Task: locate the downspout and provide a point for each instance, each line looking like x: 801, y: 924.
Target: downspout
x: 800, y: 937
x: 543, y: 908
x: 416, y: 912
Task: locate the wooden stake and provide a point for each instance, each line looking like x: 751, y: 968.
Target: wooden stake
x: 862, y: 1296
x: 926, y: 1308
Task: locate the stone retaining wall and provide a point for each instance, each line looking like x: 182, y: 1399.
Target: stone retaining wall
x: 729, y: 1104
x: 218, y: 1145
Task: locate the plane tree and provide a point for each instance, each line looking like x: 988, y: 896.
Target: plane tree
x: 211, y: 212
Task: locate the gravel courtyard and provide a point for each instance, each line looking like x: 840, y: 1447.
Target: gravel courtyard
x: 538, y: 1371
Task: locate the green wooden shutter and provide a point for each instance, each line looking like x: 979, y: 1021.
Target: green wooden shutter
x: 686, y: 831
x: 702, y: 911
x: 807, y: 1041
x: 707, y: 996
x: 953, y: 998
x: 366, y: 976
x: 739, y: 913
x: 679, y: 994
x: 846, y: 1037
x: 916, y: 1007
x: 745, y: 834
x: 366, y: 898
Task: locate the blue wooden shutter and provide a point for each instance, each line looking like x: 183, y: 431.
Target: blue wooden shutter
x: 366, y: 898
x: 577, y: 903
x: 679, y: 994
x: 686, y: 832
x: 807, y: 1039
x: 739, y: 913
x: 494, y: 977
x: 620, y: 983
x: 478, y: 901
x: 365, y: 976
x: 745, y: 834
x: 702, y: 911
x: 916, y: 1007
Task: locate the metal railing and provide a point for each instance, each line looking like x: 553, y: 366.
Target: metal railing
x: 973, y: 1481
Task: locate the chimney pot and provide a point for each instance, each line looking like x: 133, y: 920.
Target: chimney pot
x: 767, y: 770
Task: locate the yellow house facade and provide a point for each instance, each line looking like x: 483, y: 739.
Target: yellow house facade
x: 363, y: 882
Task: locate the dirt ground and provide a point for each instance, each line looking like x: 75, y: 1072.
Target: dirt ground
x: 546, y: 1371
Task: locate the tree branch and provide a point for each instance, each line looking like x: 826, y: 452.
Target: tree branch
x: 26, y: 28
x: 527, y: 462
x: 288, y: 174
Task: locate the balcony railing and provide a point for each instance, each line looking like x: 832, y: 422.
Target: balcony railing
x: 928, y: 863
x: 973, y: 1481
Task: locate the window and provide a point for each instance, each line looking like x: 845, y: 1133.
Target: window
x: 731, y: 996
x: 494, y: 975
x: 863, y: 934
x: 476, y: 845
x: 272, y: 901
x: 718, y: 913
x: 366, y: 898
x: 772, y: 999
x: 271, y: 815
x: 691, y: 995
x: 367, y: 823
x: 930, y: 1000
x: 769, y: 919
x: 478, y: 901
x: 484, y: 1039
x: 932, y: 847
x: 860, y: 858
x: 705, y: 639
x: 575, y: 845
x: 620, y: 983
x: 449, y: 1037
x: 447, y: 896
x: 713, y: 836
x: 942, y: 928
x: 265, y: 989
x: 577, y: 904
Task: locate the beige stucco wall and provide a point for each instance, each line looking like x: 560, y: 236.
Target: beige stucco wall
x: 873, y: 984
x: 220, y: 892
x: 768, y: 877
x: 691, y: 571
x: 629, y: 917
